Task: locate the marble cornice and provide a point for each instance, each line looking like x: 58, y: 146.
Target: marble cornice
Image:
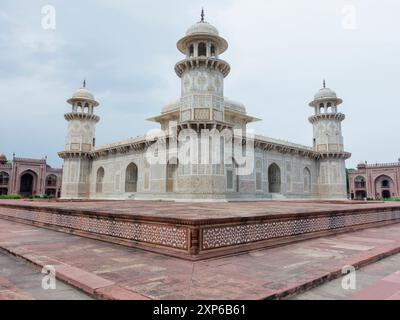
x: 327, y: 116
x: 212, y: 63
x: 81, y: 116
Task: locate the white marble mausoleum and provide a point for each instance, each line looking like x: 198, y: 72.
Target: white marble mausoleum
x: 279, y: 169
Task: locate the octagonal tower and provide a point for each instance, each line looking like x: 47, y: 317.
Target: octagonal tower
x: 328, y: 142
x: 202, y: 73
x: 80, y: 141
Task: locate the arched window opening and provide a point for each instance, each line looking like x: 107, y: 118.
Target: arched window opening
x: 51, y: 180
x: 321, y: 108
x: 213, y: 50
x: 191, y: 51
x: 359, y: 182
x: 329, y: 108
x: 99, y: 180
x: 229, y: 179
x: 232, y: 178
x: 172, y: 169
x: 307, y: 180
x: 4, y: 178
x: 202, y: 49
x: 131, y: 178
x: 385, y: 184
x: 274, y: 178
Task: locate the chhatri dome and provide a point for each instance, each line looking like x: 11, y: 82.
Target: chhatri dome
x: 3, y: 158
x: 201, y: 30
x: 202, y: 27
x: 83, y: 94
x: 325, y: 94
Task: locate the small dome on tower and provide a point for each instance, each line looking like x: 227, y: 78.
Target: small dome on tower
x: 3, y: 158
x: 83, y: 94
x: 202, y: 28
x: 325, y: 93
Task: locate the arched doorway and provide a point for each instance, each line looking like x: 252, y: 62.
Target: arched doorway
x: 361, y: 195
x: 384, y: 186
x: 99, y: 180
x: 171, y: 174
x: 131, y: 178
x: 274, y: 178
x: 386, y: 194
x: 27, y: 184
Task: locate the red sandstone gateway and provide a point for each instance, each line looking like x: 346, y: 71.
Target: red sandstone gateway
x: 27, y: 177
x: 375, y: 181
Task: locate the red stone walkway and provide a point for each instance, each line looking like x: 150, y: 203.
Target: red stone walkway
x: 116, y: 272
x: 379, y: 280
x: 21, y: 281
x: 387, y: 288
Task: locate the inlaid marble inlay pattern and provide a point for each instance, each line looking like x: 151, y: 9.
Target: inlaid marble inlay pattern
x: 246, y: 233
x: 169, y: 236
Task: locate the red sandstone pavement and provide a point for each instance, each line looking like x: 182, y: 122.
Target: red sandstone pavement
x: 115, y: 272
x: 387, y: 288
x: 379, y: 280
x: 200, y: 211
x: 22, y: 281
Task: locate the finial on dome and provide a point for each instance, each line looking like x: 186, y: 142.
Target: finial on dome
x: 84, y: 83
x: 324, y: 84
x: 202, y: 15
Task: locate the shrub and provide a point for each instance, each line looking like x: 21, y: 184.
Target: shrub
x: 392, y: 199
x: 10, y: 196
x: 39, y: 196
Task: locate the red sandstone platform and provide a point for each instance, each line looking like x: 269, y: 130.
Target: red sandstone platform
x: 111, y: 271
x: 196, y: 231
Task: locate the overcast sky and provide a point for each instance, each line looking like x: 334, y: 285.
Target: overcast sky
x: 280, y: 51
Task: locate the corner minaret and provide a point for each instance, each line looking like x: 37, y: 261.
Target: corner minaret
x: 202, y: 73
x: 80, y: 142
x: 328, y: 142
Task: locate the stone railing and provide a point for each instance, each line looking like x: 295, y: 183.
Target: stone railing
x: 378, y: 165
x: 30, y: 160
